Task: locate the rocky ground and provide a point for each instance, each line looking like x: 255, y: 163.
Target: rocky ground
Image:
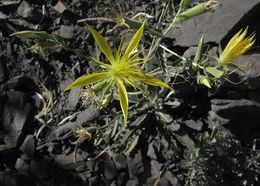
x: 39, y: 121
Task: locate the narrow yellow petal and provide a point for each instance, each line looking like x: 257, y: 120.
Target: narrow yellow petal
x: 123, y: 98
x: 134, y: 41
x: 88, y: 79
x: 102, y: 44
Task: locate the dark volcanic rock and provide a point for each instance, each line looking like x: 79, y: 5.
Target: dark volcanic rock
x: 3, y: 73
x: 73, y: 99
x: 28, y: 146
x: 109, y: 170
x: 39, y: 168
x: 66, y: 31
x: 16, y: 112
x: 120, y: 161
x: 135, y: 164
x: 22, y: 166
x: 249, y: 75
x: 28, y: 12
x: 9, y: 178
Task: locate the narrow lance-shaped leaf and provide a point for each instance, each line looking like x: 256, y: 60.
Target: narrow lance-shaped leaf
x: 88, y: 79
x: 30, y: 34
x: 215, y: 72
x: 122, y: 93
x: 150, y: 80
x: 102, y: 44
x: 134, y: 41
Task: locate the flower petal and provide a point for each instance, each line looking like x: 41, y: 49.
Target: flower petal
x: 134, y: 41
x: 123, y: 98
x: 102, y: 44
x: 88, y: 79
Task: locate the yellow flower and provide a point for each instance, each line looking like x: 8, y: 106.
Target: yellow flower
x: 237, y: 46
x: 122, y: 69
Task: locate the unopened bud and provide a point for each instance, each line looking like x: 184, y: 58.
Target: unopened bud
x: 203, y: 80
x: 200, y: 8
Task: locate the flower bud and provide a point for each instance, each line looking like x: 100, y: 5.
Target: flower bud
x: 200, y: 8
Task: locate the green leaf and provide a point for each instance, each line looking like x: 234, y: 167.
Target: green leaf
x: 214, y: 72
x: 88, y: 79
x: 122, y: 93
x: 134, y: 41
x: 30, y: 34
x: 102, y: 44
x: 198, y: 55
x: 150, y: 80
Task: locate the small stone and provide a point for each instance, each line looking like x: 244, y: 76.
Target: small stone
x: 28, y: 146
x: 151, y: 151
x: 66, y: 31
x: 120, y: 161
x: 22, y: 166
x: 155, y: 168
x: 135, y: 164
x: 173, y: 180
x: 196, y: 125
x: 16, y: 113
x: 132, y: 183
x: 39, y: 169
x: 3, y: 74
x: 73, y: 99
x: 9, y: 178
x: 109, y: 170
x: 28, y: 12
x: 61, y: 8
x: 121, y: 178
x: 87, y: 115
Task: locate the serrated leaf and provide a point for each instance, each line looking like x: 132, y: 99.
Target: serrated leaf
x: 102, y: 44
x: 134, y: 41
x: 88, y: 79
x: 214, y: 72
x: 122, y: 93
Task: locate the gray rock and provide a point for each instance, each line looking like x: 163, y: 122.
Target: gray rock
x: 196, y: 125
x: 171, y: 178
x: 151, y: 151
x: 155, y: 168
x: 9, y: 178
x: 135, y: 164
x: 132, y: 183
x: 120, y: 161
x: 28, y: 146
x: 242, y: 115
x: 121, y: 178
x: 109, y: 170
x: 87, y: 115
x: 249, y: 75
x: 39, y: 169
x: 3, y: 73
x: 61, y: 8
x: 28, y: 12
x: 73, y: 99
x: 22, y: 166
x: 16, y: 113
x: 214, y: 26
x: 66, y: 31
